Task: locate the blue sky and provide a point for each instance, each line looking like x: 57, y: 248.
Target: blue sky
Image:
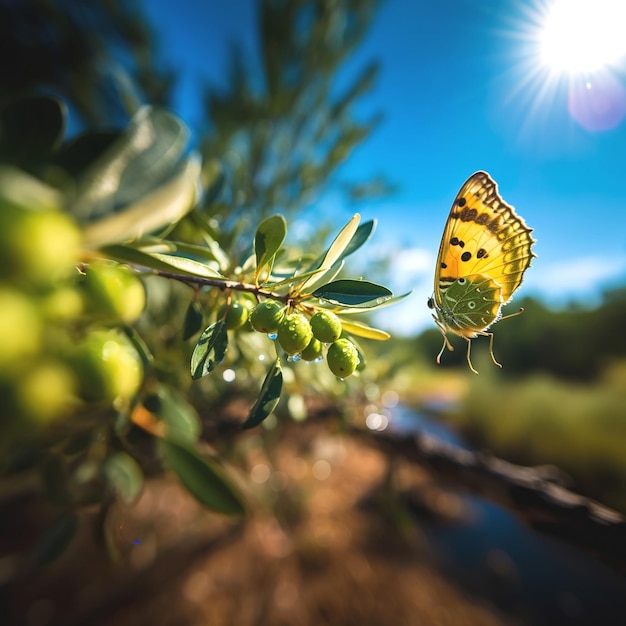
x: 461, y: 90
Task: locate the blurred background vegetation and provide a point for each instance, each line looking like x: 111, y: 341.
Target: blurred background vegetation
x: 560, y: 399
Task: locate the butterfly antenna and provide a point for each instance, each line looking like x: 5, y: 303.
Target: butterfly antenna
x: 512, y: 314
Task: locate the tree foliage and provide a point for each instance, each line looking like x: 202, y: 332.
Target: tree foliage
x: 282, y: 131
x: 97, y: 55
x: 574, y: 342
x: 131, y: 319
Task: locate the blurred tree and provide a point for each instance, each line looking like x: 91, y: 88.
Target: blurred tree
x: 575, y: 343
x: 97, y: 55
x: 282, y: 133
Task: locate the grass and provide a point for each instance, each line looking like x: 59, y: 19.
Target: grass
x: 543, y: 420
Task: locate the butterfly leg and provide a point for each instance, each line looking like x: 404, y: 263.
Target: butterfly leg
x: 469, y: 360
x: 493, y: 358
x: 446, y: 342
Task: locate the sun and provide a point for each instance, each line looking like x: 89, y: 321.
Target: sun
x: 569, y: 55
x: 582, y: 36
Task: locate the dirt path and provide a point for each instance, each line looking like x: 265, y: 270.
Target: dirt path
x: 324, y: 545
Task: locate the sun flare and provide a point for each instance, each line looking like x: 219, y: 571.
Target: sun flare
x: 571, y: 53
x: 583, y: 36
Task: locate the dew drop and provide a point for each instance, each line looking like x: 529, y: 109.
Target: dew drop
x: 296, y: 357
x: 273, y: 336
x: 319, y: 359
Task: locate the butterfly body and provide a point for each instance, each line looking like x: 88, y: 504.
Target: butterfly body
x: 484, y: 252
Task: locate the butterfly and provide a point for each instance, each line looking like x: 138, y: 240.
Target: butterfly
x: 485, y: 250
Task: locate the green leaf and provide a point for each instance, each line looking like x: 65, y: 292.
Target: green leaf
x: 155, y: 140
x: 268, y: 398
x: 362, y: 234
x: 124, y: 475
x: 353, y: 293
x: 210, y: 252
x: 147, y: 358
x: 371, y: 306
x: 363, y: 330
x: 27, y: 192
x: 181, y: 419
x: 268, y: 238
x: 140, y: 159
x: 203, y: 225
x: 298, y: 278
x: 193, y: 319
x: 202, y: 478
x: 187, y: 266
x: 165, y: 204
x: 210, y: 350
x: 55, y: 539
x: 335, y: 251
x: 159, y: 262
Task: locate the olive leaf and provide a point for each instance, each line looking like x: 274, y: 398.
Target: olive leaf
x: 159, y: 262
x: 363, y: 330
x: 268, y: 397
x: 202, y: 477
x: 210, y: 350
x: 334, y: 253
x: 193, y: 319
x: 268, y: 238
x: 353, y: 293
x: 124, y: 475
x: 55, y: 539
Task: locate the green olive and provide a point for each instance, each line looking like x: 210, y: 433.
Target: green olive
x: 63, y: 303
x: 294, y: 333
x: 46, y: 392
x: 326, y: 326
x: 342, y: 358
x: 313, y: 350
x: 236, y: 315
x: 108, y: 366
x: 113, y: 292
x: 267, y: 316
x: 20, y: 328
x: 36, y: 246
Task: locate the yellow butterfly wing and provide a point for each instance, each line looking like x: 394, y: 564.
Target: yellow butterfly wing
x: 485, y: 250
x: 483, y: 236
